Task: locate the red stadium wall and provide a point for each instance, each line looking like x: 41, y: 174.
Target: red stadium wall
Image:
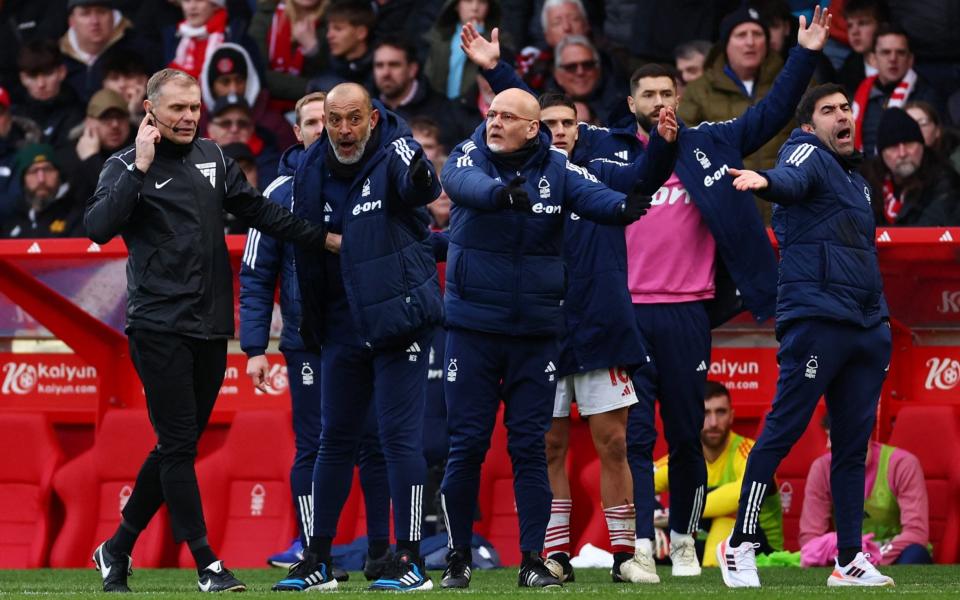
x: 68, y: 290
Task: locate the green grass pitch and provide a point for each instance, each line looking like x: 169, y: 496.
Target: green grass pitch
x: 915, y: 582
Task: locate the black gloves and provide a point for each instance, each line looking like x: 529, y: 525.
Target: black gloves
x: 635, y: 206
x: 514, y: 196
x: 419, y: 171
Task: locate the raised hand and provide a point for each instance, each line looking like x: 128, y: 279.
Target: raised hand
x: 815, y: 36
x: 483, y: 53
x: 746, y: 180
x: 148, y: 136
x: 667, y: 124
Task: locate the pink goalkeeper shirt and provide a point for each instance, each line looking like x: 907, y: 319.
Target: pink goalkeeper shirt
x: 670, y: 250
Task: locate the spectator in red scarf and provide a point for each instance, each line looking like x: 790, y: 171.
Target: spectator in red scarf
x: 203, y: 29
x: 894, y: 84
x: 289, y: 37
x: 911, y: 185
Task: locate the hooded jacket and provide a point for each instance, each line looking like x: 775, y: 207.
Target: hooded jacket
x: 179, y: 278
x: 254, y: 94
x: 386, y: 257
x: 56, y: 117
x: 825, y: 227
x: 505, y: 272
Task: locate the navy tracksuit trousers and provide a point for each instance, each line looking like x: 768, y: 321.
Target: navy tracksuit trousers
x: 394, y: 381
x: 678, y: 341
x: 482, y: 368
x: 303, y: 374
x: 847, y: 364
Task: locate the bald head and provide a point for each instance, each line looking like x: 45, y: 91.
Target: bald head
x: 350, y: 117
x: 512, y: 121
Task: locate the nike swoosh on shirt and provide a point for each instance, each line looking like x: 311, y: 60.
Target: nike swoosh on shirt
x: 159, y: 185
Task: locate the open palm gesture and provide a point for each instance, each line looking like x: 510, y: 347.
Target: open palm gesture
x: 480, y: 51
x: 814, y: 36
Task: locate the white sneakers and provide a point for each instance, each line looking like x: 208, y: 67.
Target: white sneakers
x: 683, y: 555
x: 860, y: 572
x: 641, y: 568
x: 738, y: 565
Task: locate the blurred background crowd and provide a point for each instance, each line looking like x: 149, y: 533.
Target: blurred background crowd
x: 73, y: 78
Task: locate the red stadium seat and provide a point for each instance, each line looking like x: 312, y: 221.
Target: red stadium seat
x: 29, y: 453
x: 930, y: 433
x: 792, y: 475
x: 498, y: 510
x: 94, y: 487
x: 245, y: 486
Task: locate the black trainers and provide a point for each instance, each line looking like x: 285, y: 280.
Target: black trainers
x: 406, y: 574
x: 340, y: 575
x: 218, y: 578
x: 113, y: 569
x: 374, y: 568
x: 310, y: 574
x: 458, y: 571
x: 559, y: 566
x: 534, y: 574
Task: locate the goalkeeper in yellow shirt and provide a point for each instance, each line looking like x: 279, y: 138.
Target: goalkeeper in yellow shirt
x: 725, y: 453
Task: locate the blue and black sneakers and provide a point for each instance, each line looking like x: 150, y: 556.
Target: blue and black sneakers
x: 310, y: 574
x: 406, y: 574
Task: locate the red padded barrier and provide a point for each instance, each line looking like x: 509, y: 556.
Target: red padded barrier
x: 28, y: 456
x: 94, y: 488
x: 245, y: 486
x: 930, y: 433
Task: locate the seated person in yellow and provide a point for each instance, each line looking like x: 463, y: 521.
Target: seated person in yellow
x: 725, y: 453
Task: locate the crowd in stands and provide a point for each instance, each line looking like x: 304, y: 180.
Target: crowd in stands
x: 73, y: 78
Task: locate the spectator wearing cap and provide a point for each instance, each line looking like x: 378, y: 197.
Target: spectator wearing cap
x: 230, y: 70
x: 580, y: 73
x: 46, y: 207
x: 231, y: 121
x: 126, y: 73
x: 94, y: 27
x: 739, y: 72
x: 202, y: 30
x: 288, y: 37
x: 910, y: 184
x: 46, y: 101
x: 15, y: 132
x: 106, y: 129
x: 402, y: 89
x: 349, y: 26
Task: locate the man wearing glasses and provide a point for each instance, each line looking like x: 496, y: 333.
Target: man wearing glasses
x: 504, y: 298
x: 579, y: 74
x: 232, y: 122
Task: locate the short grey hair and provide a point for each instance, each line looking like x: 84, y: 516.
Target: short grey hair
x: 574, y: 40
x: 686, y: 50
x: 554, y: 4
x: 165, y: 76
